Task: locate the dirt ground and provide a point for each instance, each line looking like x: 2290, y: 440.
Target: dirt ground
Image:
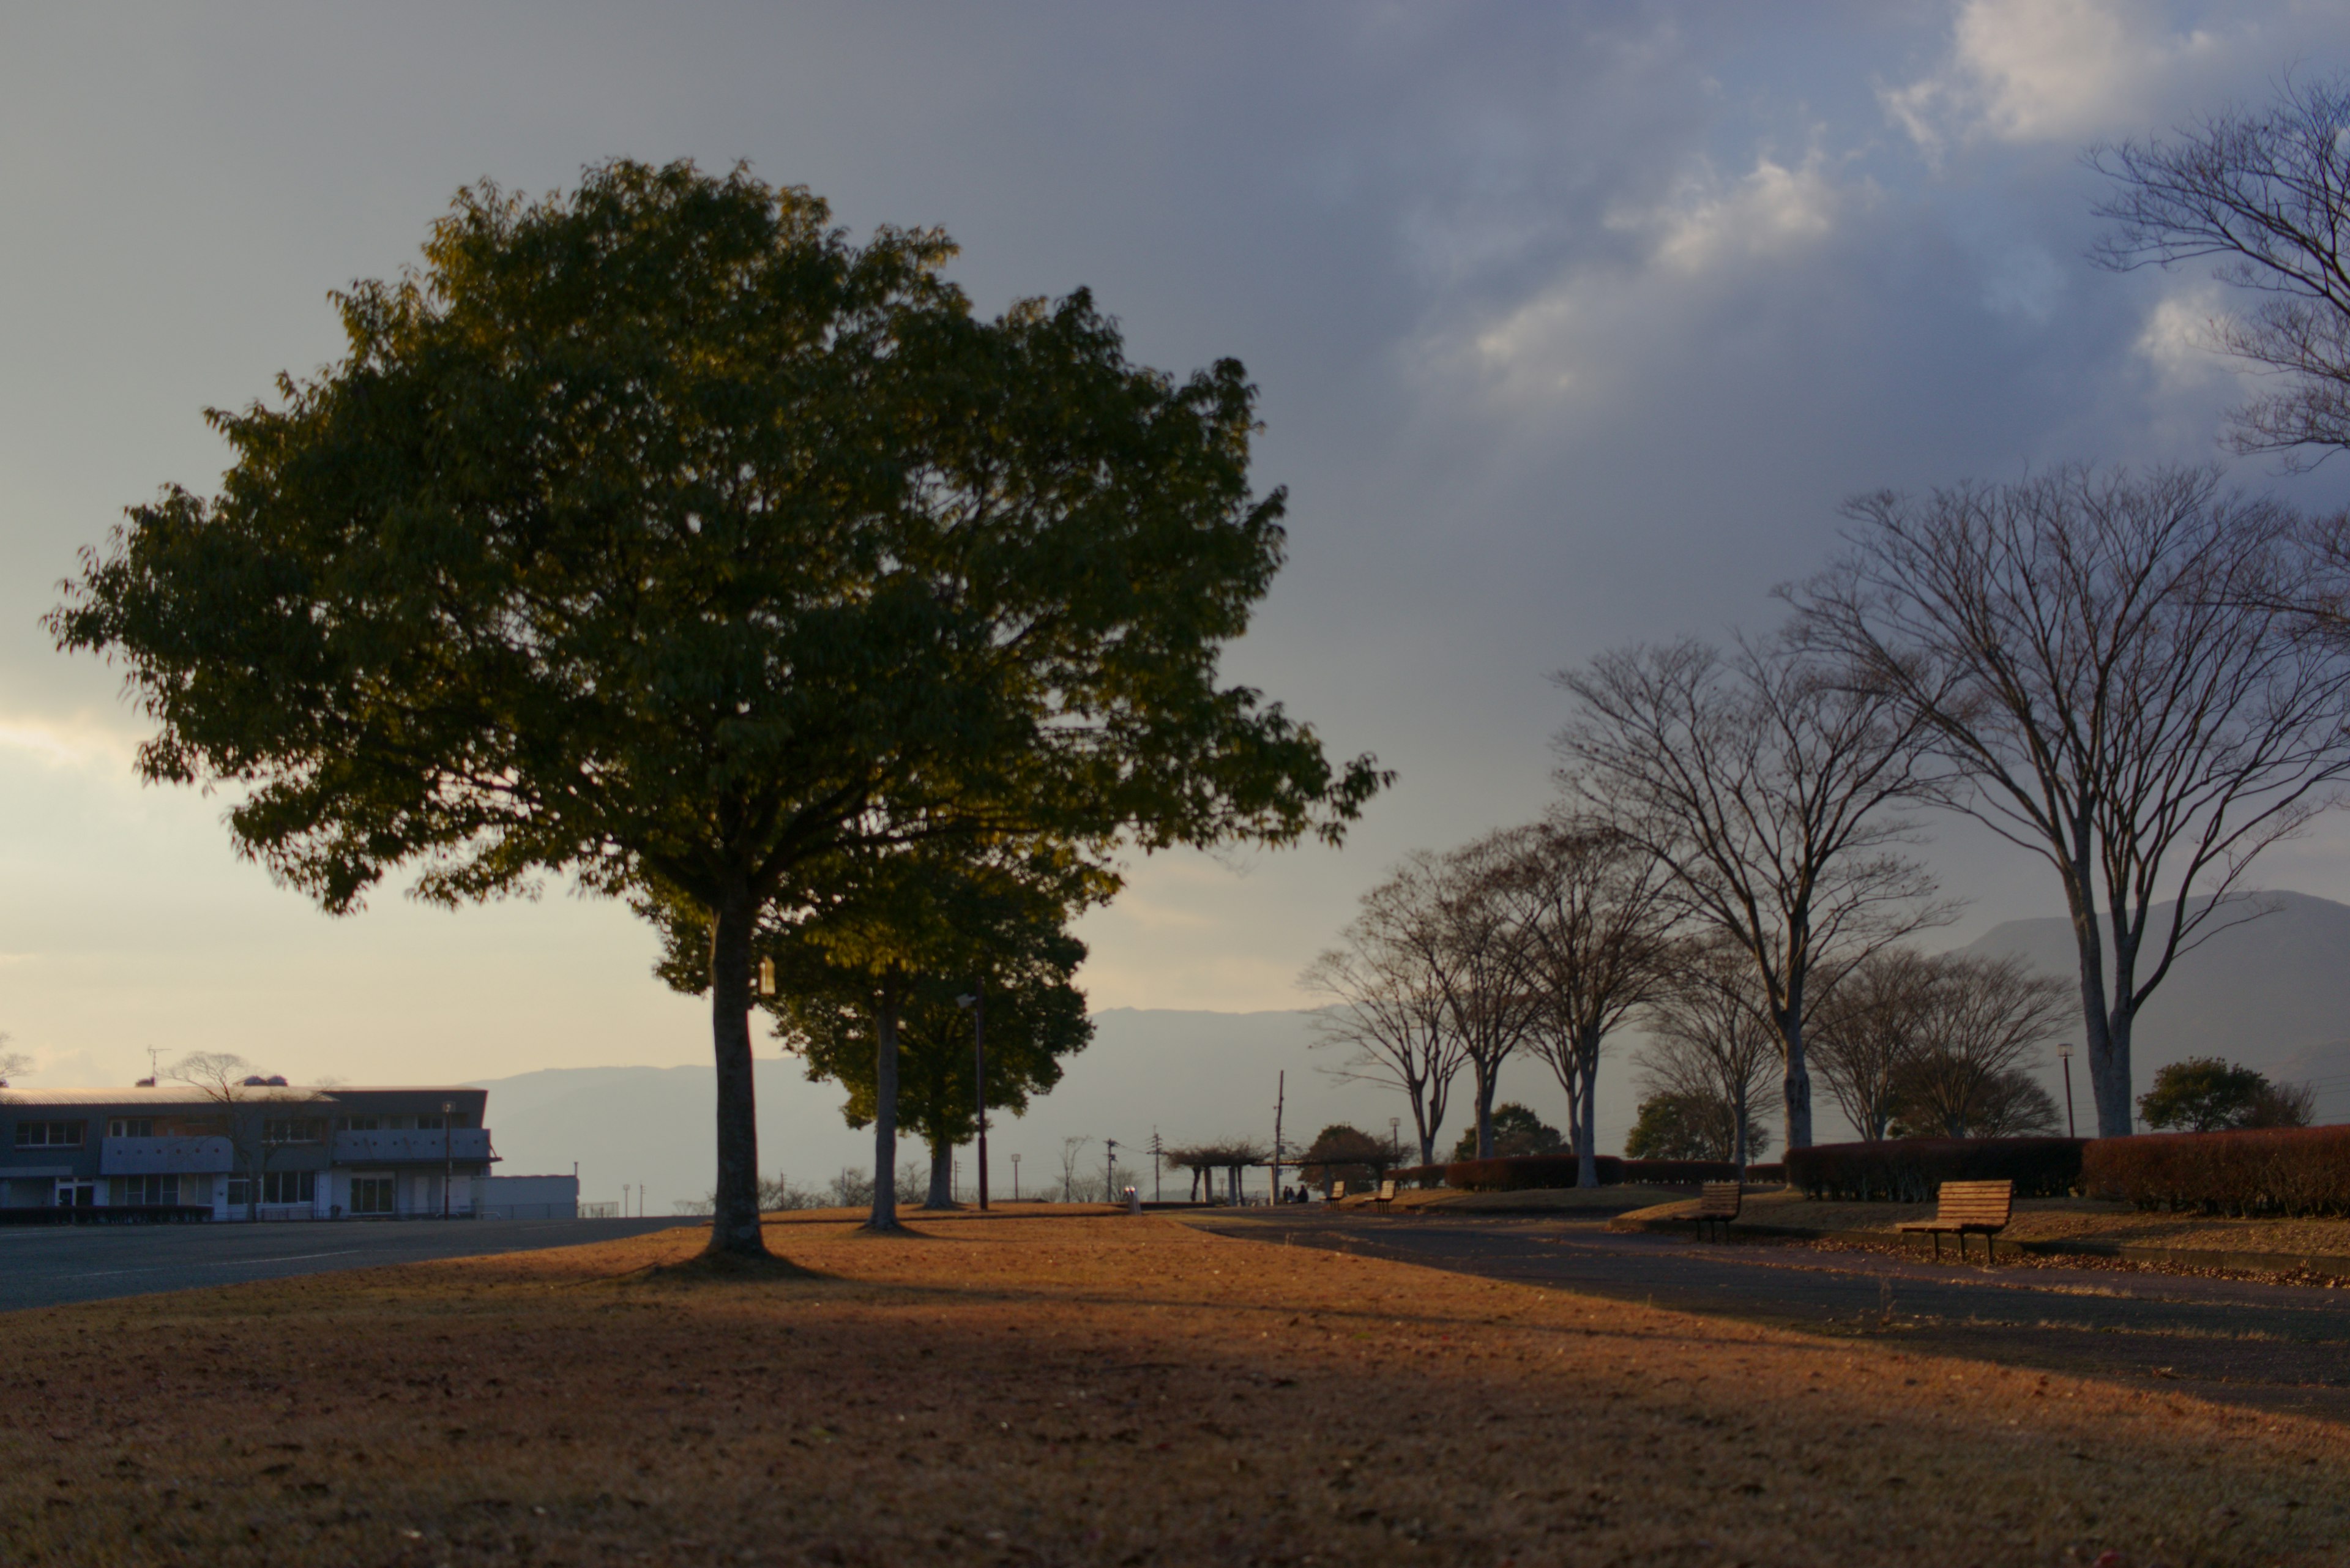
x: 2050, y: 1220
x: 1023, y: 1389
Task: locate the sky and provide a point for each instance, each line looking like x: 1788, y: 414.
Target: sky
x: 1573, y: 325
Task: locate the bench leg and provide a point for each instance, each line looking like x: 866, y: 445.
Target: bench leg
x: 1937, y: 1244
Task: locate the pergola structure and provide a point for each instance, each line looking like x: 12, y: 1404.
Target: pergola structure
x: 1205, y: 1161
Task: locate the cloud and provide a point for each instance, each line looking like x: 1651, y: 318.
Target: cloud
x: 1712, y: 234
x: 2048, y: 71
x: 2177, y: 336
x: 78, y: 741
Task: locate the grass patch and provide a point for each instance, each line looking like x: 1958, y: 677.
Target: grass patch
x: 2049, y: 1220
x: 1090, y: 1390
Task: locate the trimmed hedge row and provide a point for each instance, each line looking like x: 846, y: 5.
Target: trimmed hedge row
x: 1908, y: 1171
x: 1519, y: 1173
x: 2270, y: 1172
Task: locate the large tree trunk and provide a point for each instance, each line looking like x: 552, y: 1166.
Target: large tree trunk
x: 734, y: 1223
x: 1795, y: 1085
x: 885, y: 1109
x: 1587, y: 1147
x: 2106, y: 1027
x: 1489, y: 1079
x: 941, y: 1193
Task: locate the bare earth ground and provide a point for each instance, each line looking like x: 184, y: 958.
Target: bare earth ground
x: 2048, y: 1220
x: 1110, y: 1390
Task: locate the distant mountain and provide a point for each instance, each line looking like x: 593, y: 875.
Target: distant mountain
x: 2274, y: 993
x: 1193, y: 1075
x: 2271, y: 992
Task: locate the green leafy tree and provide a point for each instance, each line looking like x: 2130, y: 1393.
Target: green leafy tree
x: 656, y: 535
x: 994, y: 928
x: 1678, y: 1125
x: 2205, y: 1094
x: 1517, y: 1130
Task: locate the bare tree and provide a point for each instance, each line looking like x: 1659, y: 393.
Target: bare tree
x: 1388, y: 999
x: 13, y: 1064
x: 2104, y: 670
x: 1983, y: 1020
x: 254, y: 1111
x: 1490, y: 998
x: 1710, y: 1042
x: 1595, y: 925
x: 1765, y: 791
x: 2266, y: 196
x: 1870, y: 1023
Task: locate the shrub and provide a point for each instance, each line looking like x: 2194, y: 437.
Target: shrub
x: 1766, y: 1173
x: 1516, y: 1131
x: 2270, y: 1172
x: 1525, y: 1172
x: 1908, y: 1171
x: 1419, y: 1175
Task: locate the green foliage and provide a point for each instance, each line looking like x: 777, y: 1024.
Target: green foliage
x: 1689, y: 1126
x: 2203, y: 1093
x: 1517, y: 1130
x: 658, y: 535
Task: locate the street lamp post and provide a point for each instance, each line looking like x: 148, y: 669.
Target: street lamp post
x: 1015, y: 1178
x: 1109, y: 1169
x: 448, y: 1159
x: 977, y: 1002
x: 2064, y: 1055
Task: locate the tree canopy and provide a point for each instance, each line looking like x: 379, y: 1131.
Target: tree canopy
x: 658, y: 535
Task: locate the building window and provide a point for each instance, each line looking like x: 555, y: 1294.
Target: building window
x: 49, y: 1135
x: 240, y: 1191
x: 130, y: 1127
x: 361, y: 1123
x: 150, y: 1189
x: 289, y: 1187
x: 289, y: 1132
x: 428, y: 1124
x: 373, y: 1194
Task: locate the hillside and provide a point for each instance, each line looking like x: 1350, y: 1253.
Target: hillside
x: 2272, y: 992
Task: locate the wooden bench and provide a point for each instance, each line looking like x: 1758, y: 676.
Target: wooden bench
x: 1964, y: 1209
x: 1337, y: 1191
x: 1386, y: 1196
x: 1717, y: 1205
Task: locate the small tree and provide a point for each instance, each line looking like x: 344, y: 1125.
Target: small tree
x: 248, y: 1104
x: 1517, y: 1130
x: 1867, y: 1028
x: 2205, y: 1094
x: 1983, y: 1020
x: 1691, y: 1125
x: 1711, y: 1045
x: 1386, y: 985
x: 13, y: 1064
x: 1769, y: 791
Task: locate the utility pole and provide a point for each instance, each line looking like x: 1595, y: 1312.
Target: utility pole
x: 1109, y: 1169
x: 1280, y: 1100
x: 1157, y: 1148
x: 2064, y: 1055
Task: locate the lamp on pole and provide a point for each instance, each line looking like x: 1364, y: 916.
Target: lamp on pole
x: 448, y: 1159
x: 1109, y: 1169
x: 1015, y: 1178
x: 2064, y: 1056
x: 976, y: 1002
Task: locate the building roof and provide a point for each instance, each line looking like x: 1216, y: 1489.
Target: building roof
x: 184, y: 1095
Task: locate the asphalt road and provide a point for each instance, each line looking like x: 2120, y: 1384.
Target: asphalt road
x: 2281, y: 1347
x: 53, y: 1265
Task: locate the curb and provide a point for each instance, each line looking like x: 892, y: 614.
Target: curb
x: 2325, y: 1266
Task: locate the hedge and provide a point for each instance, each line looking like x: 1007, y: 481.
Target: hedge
x: 1908, y: 1171
x: 1520, y: 1172
x: 2271, y: 1171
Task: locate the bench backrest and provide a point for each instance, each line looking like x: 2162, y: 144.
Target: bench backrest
x: 1338, y: 1191
x: 1975, y: 1202
x: 1719, y: 1201
x: 1386, y: 1191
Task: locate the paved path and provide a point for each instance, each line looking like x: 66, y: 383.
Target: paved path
x: 2284, y: 1347
x: 44, y: 1265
